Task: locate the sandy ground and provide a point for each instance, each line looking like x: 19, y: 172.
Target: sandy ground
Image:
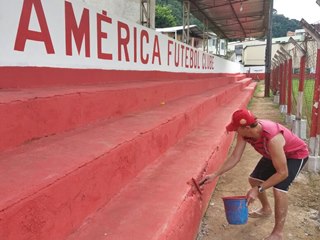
x: 303, y: 220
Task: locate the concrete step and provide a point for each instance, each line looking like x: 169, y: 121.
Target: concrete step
x: 47, y: 77
x: 162, y: 202
x: 39, y: 112
x: 50, y: 185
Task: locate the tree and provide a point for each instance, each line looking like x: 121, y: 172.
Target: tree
x: 164, y: 17
x: 176, y: 10
x: 281, y: 25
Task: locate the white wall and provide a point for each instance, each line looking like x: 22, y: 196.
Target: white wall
x: 127, y: 9
x: 42, y: 40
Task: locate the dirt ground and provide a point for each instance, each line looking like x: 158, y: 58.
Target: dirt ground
x: 303, y: 220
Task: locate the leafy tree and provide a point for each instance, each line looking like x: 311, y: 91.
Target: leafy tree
x: 176, y: 10
x: 281, y: 25
x: 164, y: 17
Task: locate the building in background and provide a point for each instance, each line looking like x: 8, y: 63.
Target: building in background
x: 252, y: 53
x: 215, y: 45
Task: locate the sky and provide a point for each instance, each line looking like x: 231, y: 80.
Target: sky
x: 309, y: 10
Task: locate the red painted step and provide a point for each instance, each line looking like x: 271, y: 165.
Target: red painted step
x: 35, y: 113
x: 49, y: 186
x: 161, y: 202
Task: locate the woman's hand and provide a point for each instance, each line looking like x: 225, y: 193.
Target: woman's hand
x: 207, y: 179
x: 252, y: 195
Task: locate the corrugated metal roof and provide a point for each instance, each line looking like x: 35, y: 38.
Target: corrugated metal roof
x: 233, y: 19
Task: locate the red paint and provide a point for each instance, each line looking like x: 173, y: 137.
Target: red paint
x: 48, y: 188
x: 284, y: 83
x: 24, y: 77
x: 315, y: 129
x: 170, y: 42
x: 24, y: 33
x: 144, y: 38
x: 196, y: 185
x: 102, y: 18
x: 281, y: 81
x: 289, y: 87
x: 156, y: 51
x: 80, y: 33
x: 256, y: 76
x: 48, y: 112
x: 123, y: 29
x: 302, y: 73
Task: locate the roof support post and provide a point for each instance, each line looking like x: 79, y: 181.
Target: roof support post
x: 274, y: 79
x: 301, y: 77
x: 268, y: 53
x: 281, y: 83
x: 289, y: 89
x: 314, y: 142
x: 145, y: 13
x: 186, y: 22
x: 283, y: 88
x: 205, y: 36
x: 316, y: 36
x: 218, y: 46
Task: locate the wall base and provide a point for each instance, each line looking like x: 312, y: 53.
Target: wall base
x: 283, y: 108
x: 290, y: 118
x: 299, y: 127
x: 313, y: 164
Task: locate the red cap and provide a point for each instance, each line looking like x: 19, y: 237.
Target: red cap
x: 241, y: 118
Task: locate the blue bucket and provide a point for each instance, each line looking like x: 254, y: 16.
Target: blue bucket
x: 236, y: 209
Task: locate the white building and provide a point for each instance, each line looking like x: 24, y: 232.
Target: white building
x: 215, y: 46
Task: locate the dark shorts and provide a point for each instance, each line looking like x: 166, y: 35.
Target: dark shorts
x: 265, y: 169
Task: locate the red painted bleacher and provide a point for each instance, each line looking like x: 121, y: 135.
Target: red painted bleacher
x: 112, y: 161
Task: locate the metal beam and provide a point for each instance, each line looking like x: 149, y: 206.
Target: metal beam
x: 282, y: 55
x: 186, y: 22
x: 239, y: 22
x: 311, y: 30
x: 205, y: 36
x: 294, y: 42
x: 268, y: 53
x: 220, y: 5
x: 285, y: 52
x: 211, y: 22
x: 279, y: 58
x: 218, y: 46
x: 145, y: 13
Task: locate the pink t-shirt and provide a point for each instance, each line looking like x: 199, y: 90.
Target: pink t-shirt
x: 294, y: 147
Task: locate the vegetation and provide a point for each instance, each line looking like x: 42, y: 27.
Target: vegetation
x: 281, y: 25
x: 164, y: 17
x: 176, y: 13
x: 307, y: 97
x: 169, y: 14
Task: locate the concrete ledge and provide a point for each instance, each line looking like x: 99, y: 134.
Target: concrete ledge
x: 31, y: 77
x: 313, y: 164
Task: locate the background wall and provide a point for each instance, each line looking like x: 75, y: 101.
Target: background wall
x: 128, y: 9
